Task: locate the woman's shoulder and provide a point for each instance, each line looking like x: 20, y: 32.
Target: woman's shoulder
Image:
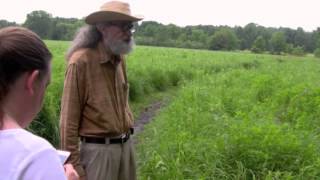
x: 31, y: 154
x: 23, y: 142
x: 30, y: 141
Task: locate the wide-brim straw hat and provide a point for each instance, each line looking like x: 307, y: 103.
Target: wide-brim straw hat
x: 112, y: 11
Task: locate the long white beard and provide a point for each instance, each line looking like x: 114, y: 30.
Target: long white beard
x: 119, y: 47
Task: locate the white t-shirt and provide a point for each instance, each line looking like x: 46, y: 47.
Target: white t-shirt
x: 25, y: 156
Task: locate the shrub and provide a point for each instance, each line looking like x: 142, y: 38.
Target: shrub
x: 298, y: 51
x: 317, y: 53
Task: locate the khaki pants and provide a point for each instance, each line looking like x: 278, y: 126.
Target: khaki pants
x: 108, y: 161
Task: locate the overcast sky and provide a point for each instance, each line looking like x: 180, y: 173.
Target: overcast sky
x: 269, y: 13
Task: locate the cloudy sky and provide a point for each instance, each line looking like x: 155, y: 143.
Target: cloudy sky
x: 269, y: 13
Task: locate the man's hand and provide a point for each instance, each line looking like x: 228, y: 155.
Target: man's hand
x: 70, y: 172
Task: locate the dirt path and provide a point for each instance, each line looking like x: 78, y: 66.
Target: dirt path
x: 146, y: 116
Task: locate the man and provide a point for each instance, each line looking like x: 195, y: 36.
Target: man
x: 94, y: 105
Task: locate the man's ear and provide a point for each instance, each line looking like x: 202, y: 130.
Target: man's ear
x: 31, y: 80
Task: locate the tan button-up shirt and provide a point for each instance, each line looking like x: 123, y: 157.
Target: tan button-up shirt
x: 94, y: 100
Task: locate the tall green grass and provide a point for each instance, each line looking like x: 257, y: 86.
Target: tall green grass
x: 239, y: 123
x: 150, y: 70
x: 46, y: 123
x: 235, y: 116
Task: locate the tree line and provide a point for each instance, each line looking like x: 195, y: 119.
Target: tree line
x: 252, y: 37
x: 48, y: 27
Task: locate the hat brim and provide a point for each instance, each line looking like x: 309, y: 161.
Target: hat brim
x: 105, y: 16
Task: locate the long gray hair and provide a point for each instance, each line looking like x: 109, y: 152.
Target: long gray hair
x: 87, y: 37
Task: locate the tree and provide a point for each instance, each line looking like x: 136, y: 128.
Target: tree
x: 300, y: 37
x: 5, y: 23
x: 278, y: 42
x: 298, y: 51
x: 289, y: 48
x: 318, y: 42
x: 61, y: 31
x: 224, y: 39
x: 259, y: 45
x: 250, y: 33
x: 64, y: 28
x: 40, y: 22
x: 317, y: 53
x: 252, y: 36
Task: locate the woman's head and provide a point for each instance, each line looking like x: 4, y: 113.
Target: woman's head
x: 24, y: 72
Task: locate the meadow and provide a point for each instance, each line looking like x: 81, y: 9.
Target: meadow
x: 235, y: 115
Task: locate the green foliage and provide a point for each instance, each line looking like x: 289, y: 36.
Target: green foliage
x: 192, y: 37
x: 223, y: 39
x: 5, y: 23
x: 298, y: 51
x: 249, y: 34
x: 317, y: 37
x: 65, y: 28
x: 47, y: 122
x: 55, y: 28
x: 236, y: 115
x: 318, y: 41
x: 289, y: 48
x: 317, y: 53
x: 278, y: 42
x: 238, y: 122
x: 199, y: 37
x: 157, y: 74
x: 40, y: 22
x: 264, y: 148
x: 259, y: 45
x: 156, y: 34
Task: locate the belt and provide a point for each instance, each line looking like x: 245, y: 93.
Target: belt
x: 106, y: 140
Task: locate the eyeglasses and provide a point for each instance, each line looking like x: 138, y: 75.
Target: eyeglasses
x: 125, y: 26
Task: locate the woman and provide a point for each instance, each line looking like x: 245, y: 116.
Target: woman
x: 24, y: 76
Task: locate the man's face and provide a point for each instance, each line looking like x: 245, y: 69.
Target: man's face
x: 117, y: 35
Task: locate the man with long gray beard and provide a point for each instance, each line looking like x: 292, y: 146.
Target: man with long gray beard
x: 94, y: 107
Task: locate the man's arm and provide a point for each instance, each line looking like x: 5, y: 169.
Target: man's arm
x: 72, y: 102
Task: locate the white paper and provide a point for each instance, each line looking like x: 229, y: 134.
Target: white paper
x: 63, y: 155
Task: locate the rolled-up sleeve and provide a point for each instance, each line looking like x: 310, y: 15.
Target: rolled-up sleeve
x: 72, y: 102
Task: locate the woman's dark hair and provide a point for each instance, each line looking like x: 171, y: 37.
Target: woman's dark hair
x: 21, y: 51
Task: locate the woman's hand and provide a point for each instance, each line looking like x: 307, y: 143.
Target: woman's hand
x: 70, y: 172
